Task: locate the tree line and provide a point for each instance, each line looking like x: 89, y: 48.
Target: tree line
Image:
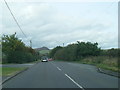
x: 80, y: 50
x: 15, y: 51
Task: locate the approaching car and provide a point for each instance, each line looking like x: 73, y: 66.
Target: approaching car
x: 44, y: 60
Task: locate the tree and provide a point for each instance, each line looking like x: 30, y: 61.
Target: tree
x: 87, y: 49
x: 76, y: 51
x: 11, y: 43
x: 67, y: 53
x: 53, y: 51
x: 15, y: 50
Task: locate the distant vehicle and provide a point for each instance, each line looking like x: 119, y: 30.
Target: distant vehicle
x: 50, y: 59
x: 44, y: 60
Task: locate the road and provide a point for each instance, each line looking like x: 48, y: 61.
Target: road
x: 54, y: 74
x: 14, y: 65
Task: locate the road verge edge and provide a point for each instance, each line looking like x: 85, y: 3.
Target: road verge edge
x: 10, y: 77
x: 111, y: 73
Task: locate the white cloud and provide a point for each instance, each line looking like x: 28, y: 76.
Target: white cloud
x: 49, y: 25
x: 62, y: 1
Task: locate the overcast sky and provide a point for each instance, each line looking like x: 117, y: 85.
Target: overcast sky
x: 54, y: 23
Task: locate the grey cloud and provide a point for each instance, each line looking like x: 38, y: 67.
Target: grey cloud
x: 46, y: 26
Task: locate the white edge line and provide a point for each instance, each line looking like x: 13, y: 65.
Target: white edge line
x: 58, y: 68
x: 74, y: 82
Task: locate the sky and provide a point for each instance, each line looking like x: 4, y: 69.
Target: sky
x: 51, y: 24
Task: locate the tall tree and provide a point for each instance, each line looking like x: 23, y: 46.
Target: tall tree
x: 15, y: 50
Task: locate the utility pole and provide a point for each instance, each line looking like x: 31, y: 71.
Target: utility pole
x: 30, y: 43
x: 63, y: 44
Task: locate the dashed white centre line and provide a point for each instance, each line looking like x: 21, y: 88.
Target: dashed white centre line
x: 74, y: 82
x: 58, y: 68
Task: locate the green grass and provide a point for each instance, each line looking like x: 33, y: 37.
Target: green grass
x: 112, y: 68
x: 0, y: 54
x: 108, y: 63
x: 104, y: 62
x: 8, y: 71
x: 44, y: 51
x: 33, y: 62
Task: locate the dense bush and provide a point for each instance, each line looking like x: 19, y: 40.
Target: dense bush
x: 89, y: 53
x: 76, y: 51
x: 15, y: 50
x: 53, y: 51
x: 66, y: 53
x: 81, y: 50
x: 87, y: 49
x: 111, y: 52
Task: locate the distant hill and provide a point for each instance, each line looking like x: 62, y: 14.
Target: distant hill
x: 42, y: 50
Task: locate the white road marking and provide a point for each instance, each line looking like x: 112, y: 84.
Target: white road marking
x: 53, y: 64
x: 74, y: 82
x: 58, y: 68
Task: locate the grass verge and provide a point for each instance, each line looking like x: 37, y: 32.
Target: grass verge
x: 8, y: 71
x: 108, y: 63
x: 33, y: 62
x: 104, y: 62
x: 22, y: 63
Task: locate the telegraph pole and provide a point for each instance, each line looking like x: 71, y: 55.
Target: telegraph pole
x: 63, y: 44
x: 30, y: 43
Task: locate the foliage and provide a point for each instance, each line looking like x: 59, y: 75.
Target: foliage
x: 75, y: 51
x: 53, y: 51
x: 87, y: 49
x: 88, y: 53
x: 67, y: 53
x: 111, y: 52
x: 15, y: 50
x: 105, y: 62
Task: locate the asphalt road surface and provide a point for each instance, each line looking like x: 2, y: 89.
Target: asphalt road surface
x: 55, y: 74
x: 14, y: 65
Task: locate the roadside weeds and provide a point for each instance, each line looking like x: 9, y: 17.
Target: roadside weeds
x: 99, y: 69
x: 10, y: 77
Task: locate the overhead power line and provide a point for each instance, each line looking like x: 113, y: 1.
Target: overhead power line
x: 15, y: 19
x: 17, y: 22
